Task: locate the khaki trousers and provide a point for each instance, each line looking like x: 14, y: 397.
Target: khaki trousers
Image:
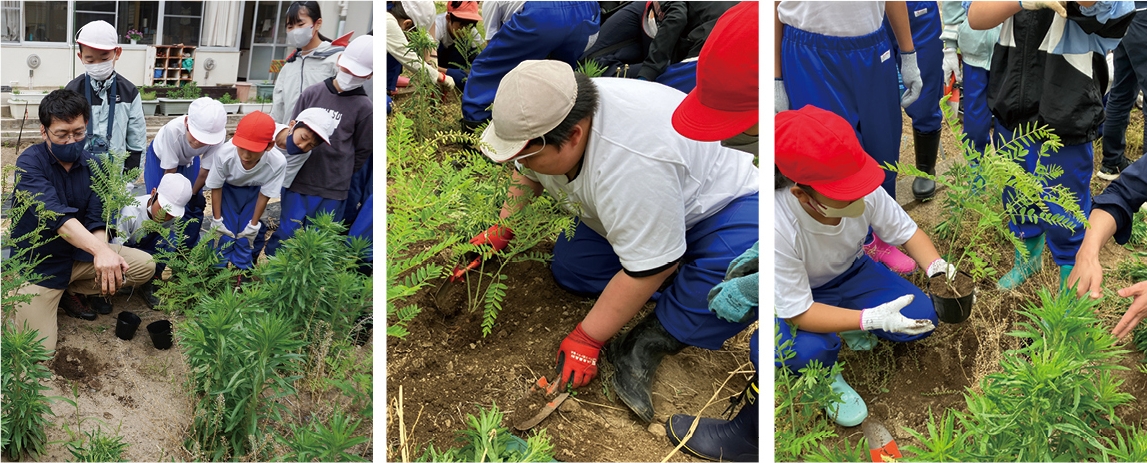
x: 40, y: 312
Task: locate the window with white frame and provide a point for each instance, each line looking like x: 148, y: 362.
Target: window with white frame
x: 181, y: 23
x: 209, y: 24
x: 45, y: 22
x: 10, y: 21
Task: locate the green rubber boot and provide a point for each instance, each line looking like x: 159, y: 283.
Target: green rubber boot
x: 1024, y: 268
x: 851, y: 410
x: 1064, y: 271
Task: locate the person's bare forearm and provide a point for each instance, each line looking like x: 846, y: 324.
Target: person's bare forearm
x: 986, y: 15
x: 75, y: 234
x: 921, y: 249
x: 622, y: 299
x: 217, y: 203
x: 1103, y: 227
x: 897, y: 13
x: 260, y: 206
x: 200, y: 181
x: 518, y: 199
x: 778, y: 34
x: 824, y: 318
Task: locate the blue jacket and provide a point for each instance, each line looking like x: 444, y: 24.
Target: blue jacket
x: 1123, y: 197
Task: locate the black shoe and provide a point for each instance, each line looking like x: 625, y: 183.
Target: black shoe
x: 147, y: 292
x: 101, y: 304
x: 927, y: 147
x: 635, y: 357
x: 1110, y: 173
x: 76, y: 306
x: 726, y: 440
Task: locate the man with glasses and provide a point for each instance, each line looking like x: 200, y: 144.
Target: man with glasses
x: 72, y: 253
x: 653, y: 207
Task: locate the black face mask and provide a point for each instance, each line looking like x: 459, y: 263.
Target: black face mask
x: 67, y: 153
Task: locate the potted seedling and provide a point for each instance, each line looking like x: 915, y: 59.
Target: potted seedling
x: 975, y: 216
x: 229, y: 104
x: 178, y: 101
x: 265, y: 89
x: 260, y: 104
x: 149, y: 103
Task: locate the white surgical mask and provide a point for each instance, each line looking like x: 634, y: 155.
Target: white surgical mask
x: 348, y: 81
x: 742, y: 142
x: 299, y: 37
x: 853, y: 210
x: 100, y: 71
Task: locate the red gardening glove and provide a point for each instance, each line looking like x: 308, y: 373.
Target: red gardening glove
x: 577, y: 359
x: 495, y: 236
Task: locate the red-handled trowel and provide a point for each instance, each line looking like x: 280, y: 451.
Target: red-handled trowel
x: 881, y: 446
x: 445, y: 292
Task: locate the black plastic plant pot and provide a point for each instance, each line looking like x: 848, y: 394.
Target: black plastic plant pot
x: 125, y: 325
x: 160, y: 332
x: 951, y: 306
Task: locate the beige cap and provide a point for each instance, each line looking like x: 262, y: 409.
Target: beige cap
x: 532, y: 99
x: 99, y: 35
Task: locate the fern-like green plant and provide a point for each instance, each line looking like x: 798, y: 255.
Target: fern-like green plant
x: 801, y: 426
x: 108, y: 180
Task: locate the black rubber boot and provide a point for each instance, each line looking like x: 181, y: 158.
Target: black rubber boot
x: 927, y: 147
x: 147, y: 291
x: 635, y: 357
x: 722, y: 440
x: 100, y: 304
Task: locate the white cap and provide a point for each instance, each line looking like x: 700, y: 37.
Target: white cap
x: 207, y: 121
x: 532, y: 99
x: 173, y: 193
x: 421, y: 12
x: 358, y: 58
x: 320, y: 121
x: 99, y: 35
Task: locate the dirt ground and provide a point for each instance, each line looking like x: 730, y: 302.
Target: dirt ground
x: 903, y: 382
x: 445, y: 369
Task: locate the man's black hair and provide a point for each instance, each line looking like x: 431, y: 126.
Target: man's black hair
x: 779, y: 179
x: 585, y: 105
x: 310, y: 10
x: 399, y: 13
x: 65, y: 106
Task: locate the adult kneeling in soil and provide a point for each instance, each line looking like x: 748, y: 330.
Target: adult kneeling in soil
x: 1111, y: 216
x: 825, y: 283
x: 649, y: 202
x: 57, y: 173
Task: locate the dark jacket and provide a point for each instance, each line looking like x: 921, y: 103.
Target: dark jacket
x: 681, y: 34
x: 68, y: 193
x: 1033, y: 85
x: 327, y: 173
x: 1123, y: 197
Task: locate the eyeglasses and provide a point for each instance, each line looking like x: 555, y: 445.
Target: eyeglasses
x: 65, y: 135
x: 535, y: 153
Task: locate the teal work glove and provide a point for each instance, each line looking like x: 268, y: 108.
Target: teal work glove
x: 736, y: 299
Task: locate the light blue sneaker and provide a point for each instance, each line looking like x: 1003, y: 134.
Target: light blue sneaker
x: 1024, y: 268
x: 859, y: 339
x: 851, y: 410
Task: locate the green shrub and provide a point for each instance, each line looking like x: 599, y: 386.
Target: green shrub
x: 98, y: 447
x: 487, y: 440
x: 319, y: 442
x: 226, y: 99
x: 801, y: 425
x: 24, y: 404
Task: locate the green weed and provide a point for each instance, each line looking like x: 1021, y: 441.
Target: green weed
x: 799, y: 401
x: 320, y: 442
x: 487, y: 440
x: 98, y: 446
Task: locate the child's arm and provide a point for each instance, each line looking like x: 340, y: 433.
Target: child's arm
x: 516, y: 201
x: 921, y: 249
x: 986, y: 15
x: 199, y: 181
x: 897, y: 13
x: 260, y: 206
x: 824, y: 318
x: 217, y: 203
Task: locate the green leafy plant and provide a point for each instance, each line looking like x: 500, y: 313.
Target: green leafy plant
x: 319, y: 442
x: 25, y: 406
x: 1053, y: 400
x: 974, y: 188
x: 147, y: 96
x: 591, y: 68
x: 98, y: 446
x: 799, y: 400
x: 195, y: 272
x: 188, y: 91
x: 15, y: 91
x: 487, y: 440
x: 108, y: 179
x: 1138, y: 230
x: 226, y: 99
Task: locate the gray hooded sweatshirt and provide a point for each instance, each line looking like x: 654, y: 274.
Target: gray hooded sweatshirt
x: 299, y: 73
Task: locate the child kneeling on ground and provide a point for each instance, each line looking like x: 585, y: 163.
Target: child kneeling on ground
x: 243, y: 178
x: 825, y: 283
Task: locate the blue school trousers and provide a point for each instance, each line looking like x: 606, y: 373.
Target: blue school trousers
x: 193, y: 213
x: 865, y: 285
x: 237, y: 208
x: 296, y: 209
x: 585, y: 263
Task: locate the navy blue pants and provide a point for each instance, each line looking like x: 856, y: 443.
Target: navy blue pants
x: 393, y: 70
x: 978, y: 120
x: 1130, y: 77
x: 193, y: 213
x: 924, y: 19
x: 1077, y: 163
x: 854, y: 77
x: 237, y: 208
x: 296, y: 211
x: 863, y: 286
x: 542, y: 30
x: 363, y: 225
x: 585, y: 263
x: 361, y: 186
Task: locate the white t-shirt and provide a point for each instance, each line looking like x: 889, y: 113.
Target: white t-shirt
x: 294, y: 161
x: 441, y: 33
x: 267, y: 173
x: 834, y: 19
x: 496, y: 13
x: 171, y: 147
x: 641, y: 189
x: 129, y: 226
x: 810, y: 254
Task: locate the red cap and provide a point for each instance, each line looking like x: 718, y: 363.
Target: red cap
x: 724, y: 102
x: 464, y: 10
x: 818, y: 148
x: 255, y: 132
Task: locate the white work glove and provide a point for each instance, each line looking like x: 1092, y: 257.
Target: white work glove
x: 952, y: 66
x: 1058, y: 7
x: 913, y: 83
x: 446, y: 81
x: 941, y: 266
x: 249, y: 232
x: 887, y: 317
x: 780, y: 99
x: 217, y: 226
